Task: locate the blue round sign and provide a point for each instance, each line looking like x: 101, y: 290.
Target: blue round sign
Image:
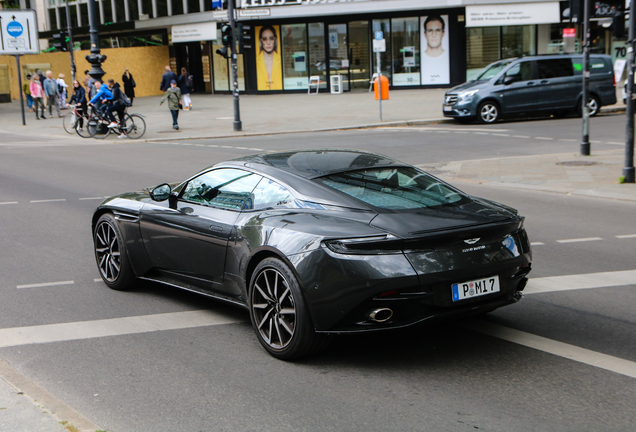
x: 14, y: 29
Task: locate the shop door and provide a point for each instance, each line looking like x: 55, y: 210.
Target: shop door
x: 359, y: 55
x: 339, y: 53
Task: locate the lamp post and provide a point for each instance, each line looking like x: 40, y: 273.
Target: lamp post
x: 95, y: 58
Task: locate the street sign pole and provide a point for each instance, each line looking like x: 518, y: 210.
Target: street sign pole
x: 70, y: 41
x: 17, y: 60
x: 585, y: 143
x: 628, y: 169
x: 379, y: 84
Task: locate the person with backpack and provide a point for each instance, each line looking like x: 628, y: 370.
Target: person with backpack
x: 118, y: 103
x: 186, y: 85
x: 51, y: 92
x: 173, y: 94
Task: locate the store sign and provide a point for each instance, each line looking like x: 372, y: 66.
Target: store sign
x: 512, y: 14
x: 194, y: 32
x: 261, y: 3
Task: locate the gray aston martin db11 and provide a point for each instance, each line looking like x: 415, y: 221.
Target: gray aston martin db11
x: 316, y: 242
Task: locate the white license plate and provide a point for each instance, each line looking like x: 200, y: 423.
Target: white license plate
x: 475, y: 288
x: 448, y: 107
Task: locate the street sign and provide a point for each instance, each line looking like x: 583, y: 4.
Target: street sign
x: 18, y: 32
x: 379, y: 35
x: 379, y: 45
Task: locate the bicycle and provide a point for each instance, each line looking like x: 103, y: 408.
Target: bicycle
x: 98, y: 125
x: 71, y: 122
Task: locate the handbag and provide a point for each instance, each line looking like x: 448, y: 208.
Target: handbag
x: 133, y: 82
x: 180, y: 105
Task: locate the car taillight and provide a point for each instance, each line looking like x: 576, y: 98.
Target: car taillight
x: 614, y: 80
x: 376, y: 245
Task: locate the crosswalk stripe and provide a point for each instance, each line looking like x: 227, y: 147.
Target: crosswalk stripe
x: 112, y: 327
x: 561, y: 349
x: 580, y: 281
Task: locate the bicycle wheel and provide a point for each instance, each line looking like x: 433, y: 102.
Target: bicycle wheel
x: 66, y: 122
x: 135, y: 126
x: 97, y: 129
x: 83, y: 131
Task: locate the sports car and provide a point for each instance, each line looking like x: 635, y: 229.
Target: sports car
x: 318, y: 242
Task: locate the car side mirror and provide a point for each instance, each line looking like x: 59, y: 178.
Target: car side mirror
x: 509, y: 80
x: 161, y: 192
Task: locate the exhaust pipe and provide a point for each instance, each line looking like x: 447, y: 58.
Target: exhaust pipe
x: 380, y: 315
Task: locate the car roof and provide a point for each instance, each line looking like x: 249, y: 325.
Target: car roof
x: 314, y: 163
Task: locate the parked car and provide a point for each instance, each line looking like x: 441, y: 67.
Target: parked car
x: 315, y: 242
x: 536, y: 84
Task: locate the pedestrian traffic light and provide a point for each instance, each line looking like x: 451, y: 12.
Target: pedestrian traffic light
x: 60, y: 41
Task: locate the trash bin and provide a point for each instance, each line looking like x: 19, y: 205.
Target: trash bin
x: 385, y: 88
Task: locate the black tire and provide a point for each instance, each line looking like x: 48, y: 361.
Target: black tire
x: 488, y: 112
x: 594, y: 105
x: 135, y: 126
x: 97, y: 129
x: 279, y: 314
x: 66, y: 123
x: 83, y: 132
x: 111, y: 255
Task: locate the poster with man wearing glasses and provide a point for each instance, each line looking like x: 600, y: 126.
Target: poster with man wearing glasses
x: 435, y: 59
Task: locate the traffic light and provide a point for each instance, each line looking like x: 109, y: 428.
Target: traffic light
x: 244, y: 37
x: 227, y: 40
x: 60, y: 41
x: 577, y: 8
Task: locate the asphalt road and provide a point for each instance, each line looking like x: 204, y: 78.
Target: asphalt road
x: 217, y: 377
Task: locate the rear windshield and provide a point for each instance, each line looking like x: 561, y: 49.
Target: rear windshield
x: 401, y: 188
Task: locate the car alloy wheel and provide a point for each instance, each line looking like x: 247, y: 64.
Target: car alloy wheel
x: 593, y: 106
x: 111, y: 257
x: 278, y: 312
x: 488, y: 112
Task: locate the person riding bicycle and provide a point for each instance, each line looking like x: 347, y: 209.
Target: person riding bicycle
x: 103, y: 94
x: 116, y: 105
x: 79, y: 98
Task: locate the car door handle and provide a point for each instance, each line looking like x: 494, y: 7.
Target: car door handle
x: 216, y: 228
x: 545, y: 82
x: 531, y: 83
x: 186, y: 210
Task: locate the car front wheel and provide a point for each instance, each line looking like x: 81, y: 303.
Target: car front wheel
x: 279, y: 314
x: 488, y: 112
x: 110, y: 254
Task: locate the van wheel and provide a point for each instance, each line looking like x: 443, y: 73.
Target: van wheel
x: 594, y: 106
x: 488, y: 112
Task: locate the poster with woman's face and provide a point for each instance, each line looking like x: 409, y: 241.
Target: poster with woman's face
x: 269, y: 74
x: 434, y: 56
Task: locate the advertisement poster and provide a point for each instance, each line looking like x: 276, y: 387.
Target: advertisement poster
x: 435, y: 57
x: 269, y: 74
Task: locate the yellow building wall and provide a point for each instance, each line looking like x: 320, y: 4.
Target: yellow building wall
x: 146, y: 64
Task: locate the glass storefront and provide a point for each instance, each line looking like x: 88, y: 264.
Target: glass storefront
x: 295, y: 73
x: 384, y: 26
x: 317, y: 53
x: 406, y: 51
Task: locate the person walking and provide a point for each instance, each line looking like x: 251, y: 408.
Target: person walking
x: 51, y: 93
x: 87, y: 77
x: 167, y: 77
x: 41, y: 77
x: 186, y: 85
x: 79, y: 98
x: 26, y: 92
x: 129, y: 85
x: 61, y: 88
x: 173, y: 94
x: 38, y: 95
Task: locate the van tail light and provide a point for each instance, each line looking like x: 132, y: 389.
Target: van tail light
x: 614, y: 80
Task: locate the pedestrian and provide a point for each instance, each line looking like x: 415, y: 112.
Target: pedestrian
x: 129, y: 85
x: 116, y: 104
x: 61, y: 88
x: 167, y: 77
x: 186, y: 85
x: 51, y: 93
x: 41, y: 77
x: 26, y: 92
x: 173, y: 94
x: 86, y: 78
x: 37, y: 93
x: 79, y: 98
x: 91, y: 89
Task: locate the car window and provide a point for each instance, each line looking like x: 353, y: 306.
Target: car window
x: 492, y: 70
x: 555, y: 68
x: 521, y: 71
x: 226, y: 188
x: 269, y: 194
x: 400, y: 188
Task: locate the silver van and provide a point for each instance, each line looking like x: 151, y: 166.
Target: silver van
x: 537, y: 84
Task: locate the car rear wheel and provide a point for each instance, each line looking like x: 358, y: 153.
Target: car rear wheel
x: 111, y: 256
x: 279, y: 314
x: 594, y: 106
x: 488, y: 112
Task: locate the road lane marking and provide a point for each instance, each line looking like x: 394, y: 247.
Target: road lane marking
x: 91, y: 198
x: 579, y: 240
x: 212, y: 145
x: 520, y: 136
x: 46, y: 284
x: 626, y: 236
x: 561, y: 349
x: 461, y: 132
x: 481, y: 133
x: 544, y: 138
x: 568, y: 139
x: 8, y: 202
x: 48, y: 333
x: 580, y: 281
x: 615, y: 143
x: 536, y: 244
x: 48, y: 200
x: 498, y: 134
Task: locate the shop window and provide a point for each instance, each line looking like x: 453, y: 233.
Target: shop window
x: 294, y: 43
x: 482, y: 48
x: 435, y: 50
x: 317, y: 55
x: 517, y: 41
x: 359, y: 48
x: 406, y: 51
x: 269, y: 73
x: 383, y: 25
x: 222, y: 68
